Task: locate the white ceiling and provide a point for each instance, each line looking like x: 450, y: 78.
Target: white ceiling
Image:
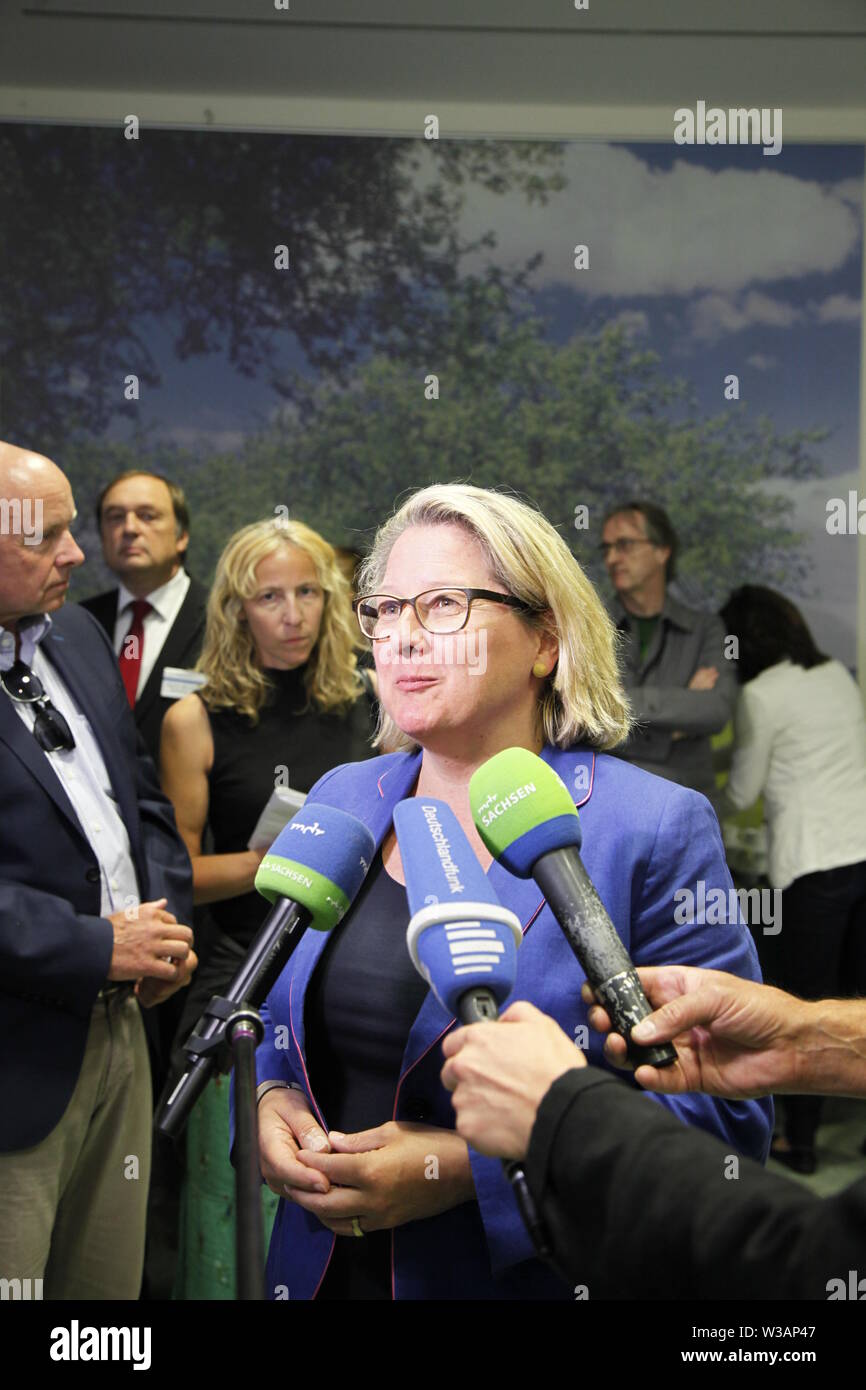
x: 79, y: 58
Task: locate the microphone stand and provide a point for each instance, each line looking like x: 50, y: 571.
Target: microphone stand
x: 208, y: 1047
x: 230, y: 1029
x: 226, y: 1037
x: 247, y: 1031
x: 234, y: 1032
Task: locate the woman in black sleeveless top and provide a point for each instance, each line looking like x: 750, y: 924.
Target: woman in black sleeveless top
x: 283, y: 703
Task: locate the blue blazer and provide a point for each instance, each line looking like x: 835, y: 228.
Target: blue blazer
x: 643, y: 838
x: 55, y: 948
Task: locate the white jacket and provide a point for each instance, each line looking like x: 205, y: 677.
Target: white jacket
x: 800, y: 738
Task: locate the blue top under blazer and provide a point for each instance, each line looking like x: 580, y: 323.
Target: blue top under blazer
x: 643, y: 839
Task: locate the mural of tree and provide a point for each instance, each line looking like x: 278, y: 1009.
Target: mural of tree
x: 585, y: 424
x: 589, y: 423
x: 100, y: 236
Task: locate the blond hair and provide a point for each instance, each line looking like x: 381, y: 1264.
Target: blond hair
x: 235, y: 679
x: 582, y: 700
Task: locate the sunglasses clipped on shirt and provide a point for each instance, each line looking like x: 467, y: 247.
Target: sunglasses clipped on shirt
x: 50, y: 728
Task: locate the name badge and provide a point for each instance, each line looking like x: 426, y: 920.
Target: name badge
x: 176, y: 682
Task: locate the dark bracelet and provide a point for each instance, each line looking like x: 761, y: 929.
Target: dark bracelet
x: 266, y: 1086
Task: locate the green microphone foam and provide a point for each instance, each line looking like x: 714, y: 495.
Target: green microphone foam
x: 319, y: 860
x: 278, y: 877
x: 522, y: 809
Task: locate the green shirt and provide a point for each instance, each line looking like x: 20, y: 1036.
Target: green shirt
x: 645, y: 629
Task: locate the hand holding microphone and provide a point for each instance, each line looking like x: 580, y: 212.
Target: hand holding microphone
x: 499, y: 1076
x: 529, y: 822
x: 734, y: 1037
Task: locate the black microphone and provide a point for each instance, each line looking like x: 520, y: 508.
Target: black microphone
x: 311, y: 874
x: 528, y: 821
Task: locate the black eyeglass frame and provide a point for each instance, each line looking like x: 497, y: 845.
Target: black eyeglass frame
x: 628, y: 541
x: 471, y: 594
x: 49, y: 724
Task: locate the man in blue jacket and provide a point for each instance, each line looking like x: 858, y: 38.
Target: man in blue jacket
x: 95, y: 885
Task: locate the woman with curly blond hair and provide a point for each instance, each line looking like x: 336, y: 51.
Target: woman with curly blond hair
x: 486, y: 635
x: 283, y: 703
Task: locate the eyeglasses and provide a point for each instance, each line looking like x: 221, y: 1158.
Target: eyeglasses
x: 437, y: 610
x: 622, y: 546
x: 50, y: 729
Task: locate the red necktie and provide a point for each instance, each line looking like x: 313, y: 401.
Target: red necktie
x: 133, y: 646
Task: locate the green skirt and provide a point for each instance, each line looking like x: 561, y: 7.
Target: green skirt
x: 206, y: 1240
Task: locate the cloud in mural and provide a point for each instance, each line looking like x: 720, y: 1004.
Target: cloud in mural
x: 839, y: 308
x: 201, y: 436
x: 677, y: 230
x: 713, y: 315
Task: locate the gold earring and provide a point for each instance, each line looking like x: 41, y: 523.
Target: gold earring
x: 539, y: 669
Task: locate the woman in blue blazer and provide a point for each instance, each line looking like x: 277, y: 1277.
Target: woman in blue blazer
x: 486, y: 635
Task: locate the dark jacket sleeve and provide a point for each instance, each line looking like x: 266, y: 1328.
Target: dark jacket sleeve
x: 49, y: 953
x: 639, y: 1206
x: 169, y: 871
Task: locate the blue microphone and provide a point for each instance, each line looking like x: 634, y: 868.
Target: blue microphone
x: 461, y: 939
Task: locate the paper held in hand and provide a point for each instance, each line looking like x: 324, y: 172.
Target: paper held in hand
x: 277, y: 813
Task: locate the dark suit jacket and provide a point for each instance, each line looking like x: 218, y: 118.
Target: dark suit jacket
x: 639, y: 1206
x: 55, y: 948
x: 657, y: 687
x: 182, y: 648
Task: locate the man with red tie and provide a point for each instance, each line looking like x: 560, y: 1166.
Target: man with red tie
x: 155, y: 617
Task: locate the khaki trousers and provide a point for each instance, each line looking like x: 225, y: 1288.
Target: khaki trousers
x: 73, y: 1207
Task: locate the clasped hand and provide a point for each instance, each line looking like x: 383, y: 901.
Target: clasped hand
x: 385, y: 1176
